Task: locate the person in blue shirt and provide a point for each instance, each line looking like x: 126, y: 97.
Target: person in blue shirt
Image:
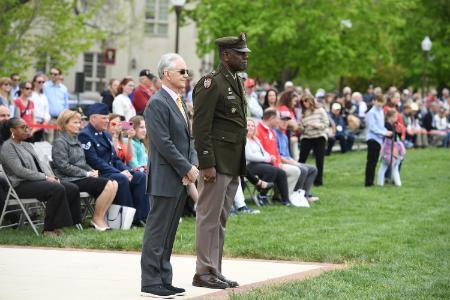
x: 56, y: 92
x: 101, y: 155
x: 375, y: 134
x: 307, y: 172
x: 346, y: 138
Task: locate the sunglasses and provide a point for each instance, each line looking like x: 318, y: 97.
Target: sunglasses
x: 27, y: 88
x: 40, y: 81
x: 182, y: 71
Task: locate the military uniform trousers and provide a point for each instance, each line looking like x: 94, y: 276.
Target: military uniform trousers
x: 131, y: 193
x: 159, y: 236
x: 213, y: 208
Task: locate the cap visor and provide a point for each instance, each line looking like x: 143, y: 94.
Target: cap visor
x: 242, y: 50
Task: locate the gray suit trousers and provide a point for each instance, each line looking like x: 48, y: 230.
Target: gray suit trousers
x: 213, y: 208
x: 159, y: 236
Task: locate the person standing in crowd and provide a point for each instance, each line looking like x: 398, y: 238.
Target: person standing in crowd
x: 5, y: 96
x: 26, y: 106
x: 15, y: 80
x: 32, y: 178
x: 173, y: 163
x: 100, y: 155
x: 69, y: 164
x: 139, y: 143
x: 57, y: 96
x: 144, y: 91
x: 393, y: 102
x: 270, y: 99
x: 41, y: 108
x: 56, y: 92
x: 122, y: 103
x: 392, y: 150
x: 110, y: 93
x: 313, y: 125
x: 220, y: 129
x: 375, y: 134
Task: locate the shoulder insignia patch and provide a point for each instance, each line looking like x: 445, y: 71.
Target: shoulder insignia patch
x: 86, y: 146
x: 207, y: 82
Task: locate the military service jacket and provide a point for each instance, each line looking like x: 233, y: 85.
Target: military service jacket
x: 220, y: 125
x: 99, y: 151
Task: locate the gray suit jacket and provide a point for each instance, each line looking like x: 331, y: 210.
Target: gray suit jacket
x: 172, y: 152
x: 19, y: 164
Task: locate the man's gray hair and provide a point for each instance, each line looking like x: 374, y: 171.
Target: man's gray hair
x: 167, y: 62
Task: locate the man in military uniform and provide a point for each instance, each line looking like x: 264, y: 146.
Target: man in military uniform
x: 219, y: 129
x: 101, y: 155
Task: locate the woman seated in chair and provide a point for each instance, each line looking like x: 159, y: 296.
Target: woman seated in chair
x: 70, y: 164
x: 32, y: 178
x: 260, y: 164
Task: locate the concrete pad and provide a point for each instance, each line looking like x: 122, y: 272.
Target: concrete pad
x: 48, y: 273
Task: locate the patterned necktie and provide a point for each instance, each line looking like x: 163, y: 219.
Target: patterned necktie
x: 180, y: 107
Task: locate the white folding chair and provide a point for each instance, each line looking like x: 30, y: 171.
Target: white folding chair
x: 13, y: 204
x: 44, y: 151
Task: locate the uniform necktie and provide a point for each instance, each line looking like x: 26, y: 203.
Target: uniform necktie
x: 180, y: 107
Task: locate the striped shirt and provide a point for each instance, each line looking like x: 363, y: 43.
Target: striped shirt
x: 314, y: 124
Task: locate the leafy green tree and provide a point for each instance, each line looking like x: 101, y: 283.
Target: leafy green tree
x: 322, y: 41
x: 40, y: 29
x: 425, y: 18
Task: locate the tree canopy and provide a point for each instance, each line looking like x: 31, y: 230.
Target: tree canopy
x: 321, y: 41
x: 55, y: 32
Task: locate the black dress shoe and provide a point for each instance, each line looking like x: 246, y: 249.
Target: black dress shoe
x: 210, y: 283
x: 157, y: 291
x: 177, y: 291
x: 231, y: 283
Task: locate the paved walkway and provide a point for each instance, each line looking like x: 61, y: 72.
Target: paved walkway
x: 44, y: 273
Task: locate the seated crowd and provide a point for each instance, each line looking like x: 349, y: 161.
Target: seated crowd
x: 104, y: 151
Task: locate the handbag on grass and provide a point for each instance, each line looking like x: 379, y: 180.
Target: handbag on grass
x: 298, y: 200
x: 120, y: 217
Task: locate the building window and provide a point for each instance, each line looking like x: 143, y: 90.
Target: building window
x: 157, y: 17
x: 94, y: 72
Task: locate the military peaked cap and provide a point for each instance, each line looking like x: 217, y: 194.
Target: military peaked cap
x: 232, y: 42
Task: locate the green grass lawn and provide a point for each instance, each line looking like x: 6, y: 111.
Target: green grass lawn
x: 396, y: 241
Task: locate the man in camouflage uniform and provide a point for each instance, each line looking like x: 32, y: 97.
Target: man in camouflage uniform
x: 220, y: 129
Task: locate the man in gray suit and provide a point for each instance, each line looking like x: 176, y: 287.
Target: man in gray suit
x: 173, y: 161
